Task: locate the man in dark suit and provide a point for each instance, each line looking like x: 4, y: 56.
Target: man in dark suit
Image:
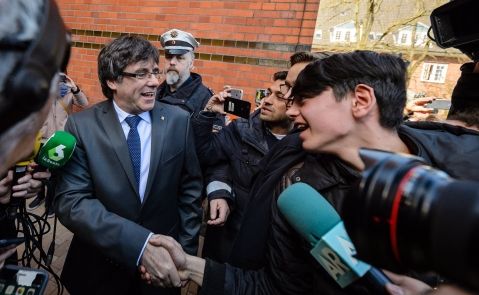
x: 133, y: 174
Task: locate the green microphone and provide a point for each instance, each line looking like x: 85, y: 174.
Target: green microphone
x: 57, y: 150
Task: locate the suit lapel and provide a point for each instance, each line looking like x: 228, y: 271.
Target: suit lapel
x: 159, y: 127
x: 118, y: 142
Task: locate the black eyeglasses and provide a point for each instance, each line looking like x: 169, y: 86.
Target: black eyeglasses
x: 142, y: 75
x: 285, y: 89
x: 285, y: 94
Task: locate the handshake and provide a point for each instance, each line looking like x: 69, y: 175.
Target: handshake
x: 165, y: 264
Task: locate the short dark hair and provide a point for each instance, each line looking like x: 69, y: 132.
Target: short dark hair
x: 470, y: 117
x: 305, y: 56
x: 120, y: 53
x: 342, y: 72
x: 281, y: 75
x: 464, y: 100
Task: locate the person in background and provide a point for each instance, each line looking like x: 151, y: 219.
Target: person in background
x: 69, y: 94
x: 464, y: 110
x: 182, y: 87
x: 241, y: 145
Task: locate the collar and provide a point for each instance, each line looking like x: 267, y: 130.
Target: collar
x: 122, y: 115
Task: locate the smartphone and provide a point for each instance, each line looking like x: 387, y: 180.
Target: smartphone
x: 15, y: 279
x: 237, y: 107
x: 236, y: 93
x: 260, y: 94
x: 439, y: 104
x: 11, y: 241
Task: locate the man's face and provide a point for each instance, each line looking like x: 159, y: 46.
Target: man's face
x: 134, y: 95
x: 326, y: 125
x: 273, y: 108
x: 177, y: 67
x: 293, y: 73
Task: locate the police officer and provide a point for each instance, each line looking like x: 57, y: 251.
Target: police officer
x: 182, y: 87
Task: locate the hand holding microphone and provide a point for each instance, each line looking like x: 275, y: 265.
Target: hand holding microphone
x: 319, y: 223
x: 55, y: 153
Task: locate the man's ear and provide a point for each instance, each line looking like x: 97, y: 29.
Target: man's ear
x: 192, y: 65
x: 111, y: 84
x: 364, y: 100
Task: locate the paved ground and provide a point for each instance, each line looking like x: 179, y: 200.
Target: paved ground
x: 62, y: 242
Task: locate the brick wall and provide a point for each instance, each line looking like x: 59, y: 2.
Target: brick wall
x: 242, y: 42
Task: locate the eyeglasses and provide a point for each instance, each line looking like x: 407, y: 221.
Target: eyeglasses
x: 285, y: 89
x: 285, y: 94
x: 142, y: 75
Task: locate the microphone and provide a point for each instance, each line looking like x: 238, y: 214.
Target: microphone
x: 57, y: 150
x: 54, y: 154
x: 312, y: 216
x: 19, y: 170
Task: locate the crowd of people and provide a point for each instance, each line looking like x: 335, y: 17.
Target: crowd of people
x: 149, y: 154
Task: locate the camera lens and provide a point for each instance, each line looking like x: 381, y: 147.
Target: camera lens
x: 408, y: 216
x: 393, y: 205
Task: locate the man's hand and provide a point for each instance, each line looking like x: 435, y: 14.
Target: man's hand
x: 404, y: 285
x: 416, y: 109
x: 5, y: 252
x: 5, y: 188
x: 70, y: 83
x: 30, y: 185
x: 216, y: 102
x: 219, y: 212
x: 160, y: 261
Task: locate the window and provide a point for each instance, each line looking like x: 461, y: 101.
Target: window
x: 404, y: 38
x: 337, y: 37
x: 435, y: 73
x: 347, y: 36
x: 344, y: 35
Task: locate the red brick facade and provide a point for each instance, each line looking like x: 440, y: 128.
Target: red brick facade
x: 243, y: 42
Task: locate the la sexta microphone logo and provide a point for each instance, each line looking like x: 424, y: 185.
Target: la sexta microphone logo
x: 56, y: 153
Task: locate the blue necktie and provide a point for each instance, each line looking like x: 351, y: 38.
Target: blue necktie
x: 134, y: 146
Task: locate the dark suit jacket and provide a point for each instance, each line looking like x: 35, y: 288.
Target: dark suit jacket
x: 97, y: 198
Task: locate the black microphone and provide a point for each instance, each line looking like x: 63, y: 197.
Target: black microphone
x: 19, y: 170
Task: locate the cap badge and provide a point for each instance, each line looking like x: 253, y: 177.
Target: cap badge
x: 174, y: 34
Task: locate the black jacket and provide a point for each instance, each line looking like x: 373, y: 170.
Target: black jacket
x: 453, y: 149
x: 286, y: 266
x: 192, y: 95
x: 242, y: 144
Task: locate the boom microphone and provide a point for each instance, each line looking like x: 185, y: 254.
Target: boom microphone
x: 317, y: 221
